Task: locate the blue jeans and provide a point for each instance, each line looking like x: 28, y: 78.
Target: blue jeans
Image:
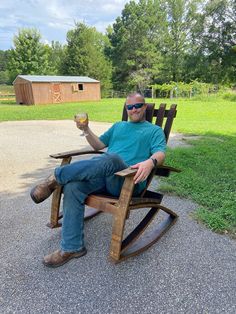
x: 79, y: 179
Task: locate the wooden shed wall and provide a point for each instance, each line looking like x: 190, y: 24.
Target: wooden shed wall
x: 54, y: 92
x: 23, y: 92
x: 91, y: 91
x: 46, y: 93
x: 42, y: 93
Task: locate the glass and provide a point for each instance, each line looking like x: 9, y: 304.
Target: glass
x: 136, y: 106
x: 82, y: 119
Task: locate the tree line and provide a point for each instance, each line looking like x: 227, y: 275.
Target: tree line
x: 152, y: 42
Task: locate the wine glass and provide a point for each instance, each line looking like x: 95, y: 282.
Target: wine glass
x: 82, y: 118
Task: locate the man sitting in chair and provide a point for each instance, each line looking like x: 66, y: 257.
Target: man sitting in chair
x: 137, y: 144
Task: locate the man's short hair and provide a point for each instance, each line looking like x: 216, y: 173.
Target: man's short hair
x: 136, y: 94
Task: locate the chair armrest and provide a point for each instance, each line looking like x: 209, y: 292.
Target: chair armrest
x: 130, y: 172
x: 164, y: 170
x: 126, y: 172
x: 75, y: 153
x: 169, y: 168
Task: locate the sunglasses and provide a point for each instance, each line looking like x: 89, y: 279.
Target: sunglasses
x: 136, y: 106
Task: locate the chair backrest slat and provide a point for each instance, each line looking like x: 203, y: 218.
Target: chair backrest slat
x: 150, y: 112
x: 160, y: 114
x: 169, y: 120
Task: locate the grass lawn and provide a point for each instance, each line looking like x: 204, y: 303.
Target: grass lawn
x: 107, y: 110
x: 209, y: 167
x: 208, y: 177
x: 211, y: 115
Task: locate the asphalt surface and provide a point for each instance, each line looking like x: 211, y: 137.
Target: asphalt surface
x: 190, y: 270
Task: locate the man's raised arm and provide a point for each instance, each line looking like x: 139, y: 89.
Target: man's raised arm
x: 92, y: 138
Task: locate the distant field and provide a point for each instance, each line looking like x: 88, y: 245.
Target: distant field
x: 7, y: 94
x: 207, y: 115
x: 6, y: 89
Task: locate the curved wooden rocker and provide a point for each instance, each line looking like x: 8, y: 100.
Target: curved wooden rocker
x: 138, y: 240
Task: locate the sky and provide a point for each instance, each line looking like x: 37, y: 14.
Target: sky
x: 53, y: 18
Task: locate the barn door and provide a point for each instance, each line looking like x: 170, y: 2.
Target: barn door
x: 56, y: 92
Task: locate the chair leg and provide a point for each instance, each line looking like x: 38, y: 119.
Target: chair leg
x: 132, y: 245
x: 119, y: 218
x: 117, y: 235
x: 55, y: 209
x: 56, y: 201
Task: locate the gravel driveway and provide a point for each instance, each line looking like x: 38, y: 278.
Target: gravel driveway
x: 190, y: 270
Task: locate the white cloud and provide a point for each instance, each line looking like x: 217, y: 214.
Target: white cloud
x: 53, y: 18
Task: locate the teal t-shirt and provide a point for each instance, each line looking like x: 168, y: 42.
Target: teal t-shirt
x: 134, y: 141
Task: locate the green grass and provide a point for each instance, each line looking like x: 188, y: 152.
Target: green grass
x: 208, y: 175
x: 211, y: 115
x: 208, y: 178
x: 105, y: 110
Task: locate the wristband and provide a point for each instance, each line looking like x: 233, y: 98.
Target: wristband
x: 154, y: 161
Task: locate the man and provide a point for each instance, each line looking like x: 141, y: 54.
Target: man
x: 136, y: 143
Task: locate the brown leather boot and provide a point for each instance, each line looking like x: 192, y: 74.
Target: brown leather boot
x: 59, y: 258
x: 42, y: 191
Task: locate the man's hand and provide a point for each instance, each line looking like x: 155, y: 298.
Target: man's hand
x: 144, y: 169
x: 82, y: 121
x: 81, y: 126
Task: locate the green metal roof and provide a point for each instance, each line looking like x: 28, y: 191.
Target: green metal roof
x: 51, y: 78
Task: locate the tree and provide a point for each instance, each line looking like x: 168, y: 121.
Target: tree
x: 218, y: 41
x: 55, y: 55
x: 84, y: 55
x: 4, y: 75
x: 135, y: 41
x: 3, y: 59
x: 173, y: 40
x: 211, y: 57
x: 183, y: 22
x: 28, y: 55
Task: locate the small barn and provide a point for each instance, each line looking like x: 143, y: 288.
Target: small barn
x: 42, y: 89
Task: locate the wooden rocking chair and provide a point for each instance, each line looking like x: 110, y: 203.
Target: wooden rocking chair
x: 120, y: 208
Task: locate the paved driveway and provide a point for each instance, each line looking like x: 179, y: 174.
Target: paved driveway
x: 191, y: 269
